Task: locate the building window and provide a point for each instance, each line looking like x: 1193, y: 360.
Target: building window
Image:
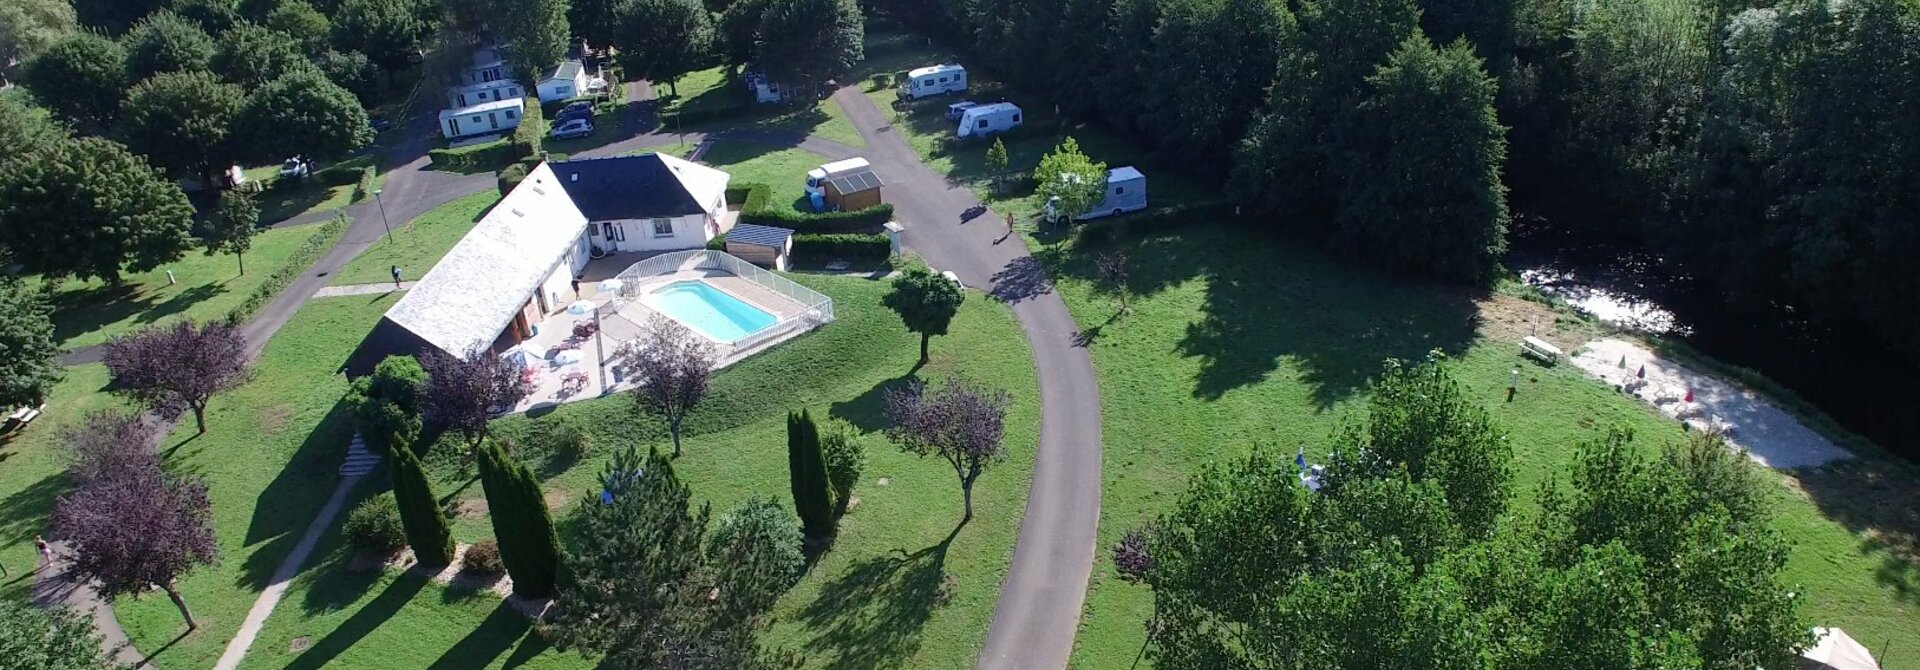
x: 478, y: 119
x: 1016, y: 118
x: 563, y: 90
x: 510, y: 113
x: 983, y: 124
x: 663, y: 227
x: 1119, y: 190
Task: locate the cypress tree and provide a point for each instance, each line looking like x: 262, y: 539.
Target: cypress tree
x: 808, y: 472
x: 521, y: 522
x: 427, y: 529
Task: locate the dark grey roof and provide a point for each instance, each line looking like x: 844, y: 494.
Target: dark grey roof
x: 856, y: 181
x: 625, y: 187
x: 565, y: 70
x: 758, y: 235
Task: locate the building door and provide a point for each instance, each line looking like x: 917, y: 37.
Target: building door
x: 492, y: 122
x: 614, y: 233
x: 456, y: 127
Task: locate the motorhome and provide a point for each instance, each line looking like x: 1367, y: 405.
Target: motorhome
x: 1126, y: 192
x: 933, y: 80
x: 986, y: 120
x: 817, y: 178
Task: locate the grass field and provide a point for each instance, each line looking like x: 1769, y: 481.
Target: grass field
x: 709, y: 92
x: 1237, y: 339
x: 312, y: 195
x: 784, y: 171
x: 419, y: 244
x: 890, y: 593
x: 32, y: 471
x: 89, y: 312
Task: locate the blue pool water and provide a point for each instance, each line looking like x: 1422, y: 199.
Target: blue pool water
x: 709, y: 311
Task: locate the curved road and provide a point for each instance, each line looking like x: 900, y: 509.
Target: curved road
x: 1039, y: 608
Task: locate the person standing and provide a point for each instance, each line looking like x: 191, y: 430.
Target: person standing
x: 576, y: 287
x: 396, y: 276
x: 46, y: 550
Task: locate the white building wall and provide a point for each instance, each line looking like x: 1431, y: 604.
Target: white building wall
x: 689, y: 232
x: 552, y: 90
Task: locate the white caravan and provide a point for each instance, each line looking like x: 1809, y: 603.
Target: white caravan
x: 817, y: 177
x: 986, y: 120
x: 933, y: 80
x: 1126, y: 192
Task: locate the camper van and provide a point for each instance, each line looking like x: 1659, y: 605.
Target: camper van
x: 1126, y: 192
x: 933, y: 80
x: 817, y: 177
x: 986, y: 120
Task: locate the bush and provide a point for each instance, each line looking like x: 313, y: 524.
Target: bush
x: 339, y: 175
x: 822, y: 222
x: 483, y: 558
x: 489, y: 156
x: 752, y: 197
x: 532, y: 128
x: 882, y: 79
x: 559, y: 438
x: 852, y: 247
x: 511, y: 177
x: 718, y: 243
x: 363, y: 187
x: 374, y: 525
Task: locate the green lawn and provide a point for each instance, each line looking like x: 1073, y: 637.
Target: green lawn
x: 708, y: 91
x: 89, y: 312
x: 419, y: 244
x: 311, y: 195
x: 782, y: 170
x: 32, y: 467
x: 890, y: 594
x: 1235, y: 341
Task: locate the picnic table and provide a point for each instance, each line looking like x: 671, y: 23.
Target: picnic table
x: 573, y: 382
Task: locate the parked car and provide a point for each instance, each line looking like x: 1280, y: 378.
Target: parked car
x: 294, y: 168
x: 959, y: 109
x: 381, y: 124
x: 576, y: 110
x: 571, y: 129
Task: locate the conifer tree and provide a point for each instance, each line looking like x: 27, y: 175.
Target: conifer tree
x: 808, y: 472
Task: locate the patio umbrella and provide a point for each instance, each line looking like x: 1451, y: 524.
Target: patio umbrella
x: 1837, y: 651
x: 610, y: 285
x: 568, y: 357
x: 580, y: 308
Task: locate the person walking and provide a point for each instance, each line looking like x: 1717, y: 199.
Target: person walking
x: 46, y: 550
x: 576, y: 287
x: 396, y: 276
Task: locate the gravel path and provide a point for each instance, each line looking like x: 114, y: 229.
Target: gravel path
x: 360, y: 289
x: 1771, y: 436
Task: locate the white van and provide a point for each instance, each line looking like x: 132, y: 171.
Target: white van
x: 933, y: 80
x: 986, y: 120
x: 1126, y: 192
x: 817, y: 177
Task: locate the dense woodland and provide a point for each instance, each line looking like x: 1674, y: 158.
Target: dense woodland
x: 1768, y: 146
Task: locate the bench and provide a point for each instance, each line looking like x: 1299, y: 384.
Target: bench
x: 1541, y: 349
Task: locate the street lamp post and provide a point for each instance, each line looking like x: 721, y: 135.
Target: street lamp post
x: 383, y: 215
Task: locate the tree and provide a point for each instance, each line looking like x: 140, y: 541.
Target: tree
x: 387, y: 404
x: 1423, y: 172
x: 807, y: 476
x: 167, y: 367
x: 26, y: 129
x: 846, y: 459
x: 737, y: 31
x: 230, y: 230
x: 464, y: 393
x: 671, y: 367
x: 112, y: 17
x: 303, y: 114
x: 810, y: 41
x: 251, y: 55
x: 142, y: 529
x: 32, y: 365
x: 538, y: 31
x: 387, y: 31
x: 1110, y: 274
x: 167, y: 42
x: 180, y: 122
x: 81, y: 78
x: 926, y: 303
x: 958, y: 421
x: 352, y: 71
x: 300, y: 21
x: 55, y: 638
x: 1219, y: 56
x: 30, y: 27
x: 427, y: 529
x: 108, y: 444
x: 521, y: 522
x: 87, y: 207
x: 660, y: 40
x: 997, y: 160
x: 757, y: 554
x: 213, y: 16
x: 1069, y: 181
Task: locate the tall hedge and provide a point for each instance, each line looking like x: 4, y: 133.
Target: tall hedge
x: 532, y: 128
x: 427, y: 529
x: 521, y: 522
x: 756, y: 207
x: 807, y: 470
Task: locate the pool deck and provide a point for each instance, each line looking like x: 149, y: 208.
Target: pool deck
x: 626, y: 319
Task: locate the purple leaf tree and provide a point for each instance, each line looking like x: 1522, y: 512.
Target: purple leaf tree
x: 1111, y: 275
x: 170, y: 368
x: 108, y: 444
x: 1131, y: 556
x: 671, y: 366
x: 136, y: 530
x: 465, y: 392
x: 958, y: 421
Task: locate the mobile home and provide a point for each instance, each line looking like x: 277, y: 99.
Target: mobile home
x: 986, y: 120
x: 1126, y: 192
x: 933, y: 80
x: 566, y: 80
x: 764, y: 88
x: 483, y: 72
x: 474, y: 94
x: 499, y: 116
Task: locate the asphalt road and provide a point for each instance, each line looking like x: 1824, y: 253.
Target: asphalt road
x: 1039, y: 609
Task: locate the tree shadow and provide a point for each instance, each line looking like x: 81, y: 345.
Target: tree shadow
x: 1022, y: 279
x: 1878, y: 501
x: 288, y: 504
x: 499, y: 632
x: 868, y: 411
x: 23, y: 513
x: 871, y: 615
x: 87, y: 310
x: 336, y: 582
x: 370, y: 616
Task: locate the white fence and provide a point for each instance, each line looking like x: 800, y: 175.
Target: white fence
x: 816, y: 308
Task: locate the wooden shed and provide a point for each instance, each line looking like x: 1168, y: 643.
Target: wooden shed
x: 854, y: 190
x: 765, y: 246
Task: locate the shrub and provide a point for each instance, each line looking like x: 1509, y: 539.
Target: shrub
x: 718, y: 243
x: 846, y: 246
x: 489, y: 156
x: 532, y: 128
x: 365, y: 185
x: 374, y: 525
x: 511, y: 177
x: 822, y: 222
x: 339, y: 175
x: 753, y: 196
x: 882, y: 79
x: 483, y: 558
x: 558, y: 437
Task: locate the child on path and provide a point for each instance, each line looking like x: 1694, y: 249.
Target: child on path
x: 396, y: 276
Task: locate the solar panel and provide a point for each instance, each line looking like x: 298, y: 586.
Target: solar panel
x: 854, y: 182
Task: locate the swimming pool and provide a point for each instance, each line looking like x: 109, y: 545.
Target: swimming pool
x: 709, y: 311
